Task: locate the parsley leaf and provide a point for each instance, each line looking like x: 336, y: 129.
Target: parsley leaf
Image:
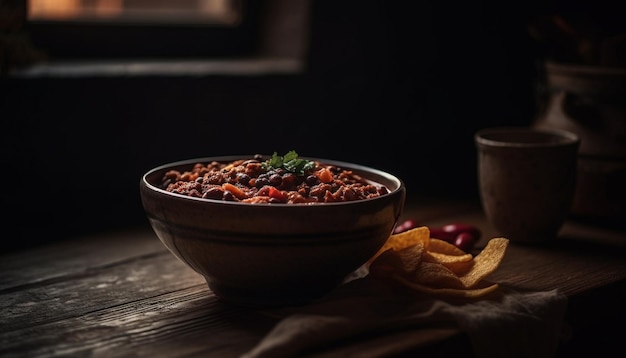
x: 289, y: 162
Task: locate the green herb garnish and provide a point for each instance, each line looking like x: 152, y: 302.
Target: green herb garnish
x: 289, y: 162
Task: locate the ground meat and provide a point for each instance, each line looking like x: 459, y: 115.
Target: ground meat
x: 251, y: 181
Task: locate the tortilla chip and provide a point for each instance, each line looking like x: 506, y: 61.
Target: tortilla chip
x: 405, y: 239
x: 444, y: 247
x: 434, y: 266
x: 405, y: 261
x: 486, y: 262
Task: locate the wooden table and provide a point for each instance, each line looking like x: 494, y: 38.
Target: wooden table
x: 123, y: 294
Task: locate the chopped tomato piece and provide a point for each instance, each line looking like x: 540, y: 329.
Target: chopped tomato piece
x: 277, y: 194
x: 325, y: 175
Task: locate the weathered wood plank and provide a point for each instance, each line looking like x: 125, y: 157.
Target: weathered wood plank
x: 76, y: 255
x: 564, y: 265
x: 96, y: 288
x: 123, y: 294
x: 186, y: 322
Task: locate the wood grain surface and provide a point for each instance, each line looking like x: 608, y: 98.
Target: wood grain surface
x: 121, y: 294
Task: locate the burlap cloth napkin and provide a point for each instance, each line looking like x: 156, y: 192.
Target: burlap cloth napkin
x: 503, y: 324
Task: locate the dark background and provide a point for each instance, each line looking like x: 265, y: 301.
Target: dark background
x: 401, y: 86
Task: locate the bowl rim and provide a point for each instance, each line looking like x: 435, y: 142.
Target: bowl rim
x: 509, y: 137
x: 398, y: 183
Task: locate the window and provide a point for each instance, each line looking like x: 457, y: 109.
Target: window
x: 109, y: 29
x: 223, y: 12
x: 153, y: 37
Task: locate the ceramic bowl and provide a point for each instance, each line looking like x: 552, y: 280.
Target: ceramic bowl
x: 271, y: 254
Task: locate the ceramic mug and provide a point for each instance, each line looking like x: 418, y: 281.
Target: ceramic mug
x: 527, y: 180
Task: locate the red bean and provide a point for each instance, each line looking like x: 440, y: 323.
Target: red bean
x: 457, y: 228
x: 405, y: 226
x: 463, y: 236
x: 441, y: 234
x: 465, y: 241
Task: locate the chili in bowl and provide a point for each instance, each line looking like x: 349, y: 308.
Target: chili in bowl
x: 271, y: 230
